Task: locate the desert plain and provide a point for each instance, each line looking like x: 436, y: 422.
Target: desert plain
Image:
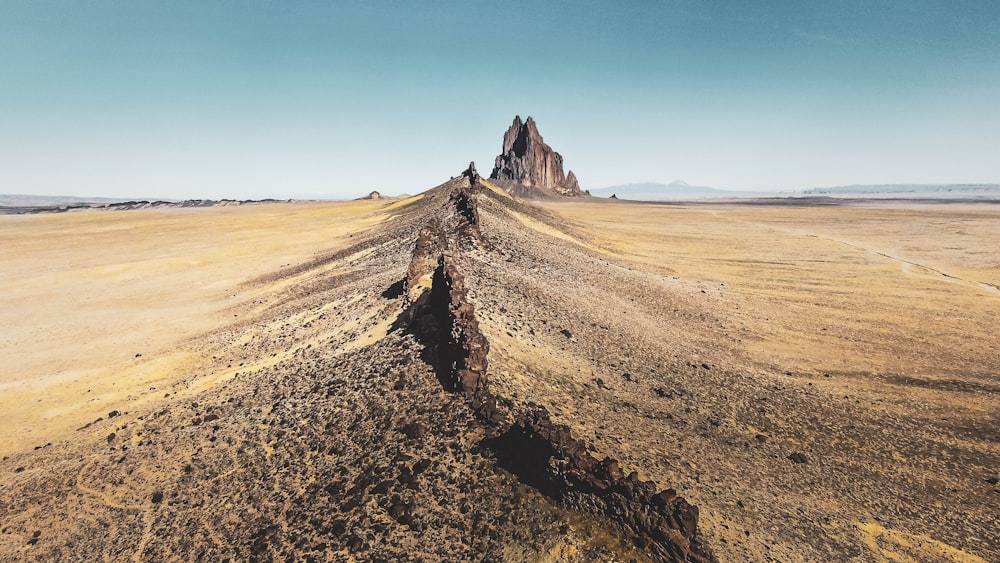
x: 818, y: 377
x: 99, y: 308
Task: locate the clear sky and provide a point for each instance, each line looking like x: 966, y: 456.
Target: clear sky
x: 204, y: 98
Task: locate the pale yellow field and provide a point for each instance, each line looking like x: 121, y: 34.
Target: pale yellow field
x: 104, y: 308
x: 888, y: 313
x: 700, y: 345
x: 907, y: 290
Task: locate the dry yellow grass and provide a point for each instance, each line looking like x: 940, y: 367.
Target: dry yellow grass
x: 893, y: 290
x: 889, y: 312
x: 728, y: 337
x: 99, y: 308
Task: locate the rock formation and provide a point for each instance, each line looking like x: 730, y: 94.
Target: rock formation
x: 528, y: 167
x: 526, y: 441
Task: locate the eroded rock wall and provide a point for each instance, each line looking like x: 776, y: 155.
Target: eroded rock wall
x: 528, y: 167
x: 526, y: 441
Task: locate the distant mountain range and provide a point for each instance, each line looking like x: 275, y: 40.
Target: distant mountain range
x: 674, y: 191
x: 942, y: 190
x: 645, y: 191
x: 19, y: 200
x: 652, y: 190
x: 30, y: 204
x: 680, y: 190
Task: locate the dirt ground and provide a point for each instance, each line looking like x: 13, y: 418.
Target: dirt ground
x: 97, y: 307
x: 906, y: 289
x: 865, y: 335
x: 233, y: 382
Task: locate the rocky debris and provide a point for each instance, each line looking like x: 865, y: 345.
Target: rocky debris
x: 463, y: 348
x: 430, y: 244
x: 529, y: 285
x: 461, y: 220
x: 528, y: 443
x: 527, y: 167
x: 329, y: 445
x: 349, y: 449
x: 798, y: 457
x: 546, y: 454
x: 471, y: 173
x: 466, y: 225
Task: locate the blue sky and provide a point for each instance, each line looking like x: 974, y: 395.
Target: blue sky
x: 288, y: 99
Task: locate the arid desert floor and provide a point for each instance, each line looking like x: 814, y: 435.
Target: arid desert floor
x: 102, y: 310
x: 821, y: 381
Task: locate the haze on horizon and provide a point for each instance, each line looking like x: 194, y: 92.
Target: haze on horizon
x: 295, y: 99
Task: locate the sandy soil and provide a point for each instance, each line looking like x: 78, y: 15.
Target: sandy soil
x: 905, y: 291
x: 100, y: 309
x: 820, y: 381
x: 864, y: 337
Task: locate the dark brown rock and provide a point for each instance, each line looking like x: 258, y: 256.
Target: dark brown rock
x: 464, y: 352
x: 430, y: 244
x: 542, y: 453
x: 545, y: 455
x: 572, y: 185
x: 471, y: 173
x: 527, y: 167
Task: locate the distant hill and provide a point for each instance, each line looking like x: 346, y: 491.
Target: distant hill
x: 23, y: 200
x: 649, y: 191
x: 679, y: 191
x: 910, y: 190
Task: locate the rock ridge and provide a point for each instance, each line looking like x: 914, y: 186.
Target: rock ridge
x: 526, y: 441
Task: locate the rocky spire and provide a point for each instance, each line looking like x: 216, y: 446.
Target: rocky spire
x: 571, y: 183
x: 529, y: 167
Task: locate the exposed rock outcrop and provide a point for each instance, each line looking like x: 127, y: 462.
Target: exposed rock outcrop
x: 546, y: 455
x: 527, y: 167
x: 471, y: 173
x: 430, y: 244
x: 525, y: 440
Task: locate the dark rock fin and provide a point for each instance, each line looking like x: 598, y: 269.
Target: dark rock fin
x: 541, y: 453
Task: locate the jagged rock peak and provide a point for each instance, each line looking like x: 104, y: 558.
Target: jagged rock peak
x: 529, y: 167
x: 471, y: 173
x: 572, y: 183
